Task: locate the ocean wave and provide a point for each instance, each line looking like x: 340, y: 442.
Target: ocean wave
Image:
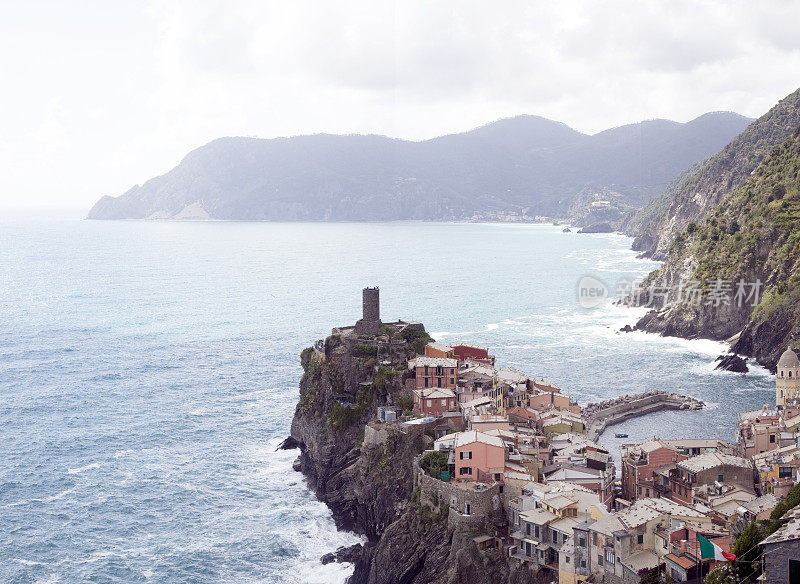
x: 81, y: 469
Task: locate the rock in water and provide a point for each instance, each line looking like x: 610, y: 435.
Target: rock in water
x: 597, y: 228
x: 289, y: 444
x: 566, y: 230
x: 348, y: 554
x: 732, y: 362
x: 626, y: 329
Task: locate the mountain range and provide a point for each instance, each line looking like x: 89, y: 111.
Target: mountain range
x: 516, y: 168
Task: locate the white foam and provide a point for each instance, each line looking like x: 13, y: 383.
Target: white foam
x: 83, y: 468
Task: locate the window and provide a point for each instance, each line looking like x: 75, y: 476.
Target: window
x: 610, y: 557
x: 536, y: 531
x: 452, y: 371
x: 444, y: 402
x: 583, y: 563
x: 427, y: 380
x: 599, y: 559
x: 594, y: 538
x: 438, y: 382
x: 772, y: 438
x: 582, y: 542
x: 720, y: 478
x: 528, y: 529
x: 452, y: 381
x: 497, y: 476
x: 426, y: 370
x: 528, y: 549
x: 566, y: 559
x: 465, y: 470
x: 640, y: 538
x: 465, y: 455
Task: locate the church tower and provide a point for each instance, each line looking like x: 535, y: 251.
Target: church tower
x: 787, y: 378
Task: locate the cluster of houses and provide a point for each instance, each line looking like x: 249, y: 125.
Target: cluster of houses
x: 523, y: 441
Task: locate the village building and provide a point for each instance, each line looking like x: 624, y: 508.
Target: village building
x: 434, y: 401
x: 685, y: 481
x: 439, y: 372
x: 464, y: 352
x: 761, y: 431
x: 543, y: 517
x: 624, y: 542
x: 639, y: 462
x: 439, y: 350
x: 475, y: 456
x: 778, y: 470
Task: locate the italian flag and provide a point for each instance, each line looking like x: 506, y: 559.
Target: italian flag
x: 711, y: 551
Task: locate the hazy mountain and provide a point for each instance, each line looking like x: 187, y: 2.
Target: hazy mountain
x: 523, y: 166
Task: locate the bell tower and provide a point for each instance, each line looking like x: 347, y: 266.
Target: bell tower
x: 787, y: 378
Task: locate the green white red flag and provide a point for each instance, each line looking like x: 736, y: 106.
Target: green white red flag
x: 711, y: 551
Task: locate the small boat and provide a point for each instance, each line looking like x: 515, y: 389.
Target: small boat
x: 620, y: 435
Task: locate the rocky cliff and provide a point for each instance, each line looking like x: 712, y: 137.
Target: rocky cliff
x: 692, y: 196
x: 364, y: 473
x: 743, y: 257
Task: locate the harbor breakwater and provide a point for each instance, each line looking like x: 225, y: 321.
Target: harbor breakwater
x: 600, y: 416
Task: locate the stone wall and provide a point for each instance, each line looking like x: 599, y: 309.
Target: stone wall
x: 481, y: 502
x: 776, y: 560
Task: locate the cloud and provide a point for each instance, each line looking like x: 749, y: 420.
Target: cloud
x: 109, y: 97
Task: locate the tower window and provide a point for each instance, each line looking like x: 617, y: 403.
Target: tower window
x: 790, y: 374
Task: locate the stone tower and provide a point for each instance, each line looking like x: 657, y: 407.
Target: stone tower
x: 787, y: 378
x: 370, y: 322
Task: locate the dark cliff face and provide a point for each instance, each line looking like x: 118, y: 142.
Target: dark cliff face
x: 699, y: 190
x: 367, y: 481
x: 754, y: 237
x: 362, y: 489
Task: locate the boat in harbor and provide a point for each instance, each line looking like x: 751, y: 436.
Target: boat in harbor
x: 620, y: 435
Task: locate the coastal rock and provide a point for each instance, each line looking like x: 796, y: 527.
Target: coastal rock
x: 289, y: 444
x: 566, y: 230
x: 732, y: 362
x: 626, y: 329
x: 345, y: 554
x: 597, y: 228
x: 369, y: 487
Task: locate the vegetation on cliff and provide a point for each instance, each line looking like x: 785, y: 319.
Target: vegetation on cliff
x: 753, y: 237
x: 696, y: 192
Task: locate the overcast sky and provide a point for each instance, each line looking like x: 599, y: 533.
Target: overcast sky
x: 99, y: 96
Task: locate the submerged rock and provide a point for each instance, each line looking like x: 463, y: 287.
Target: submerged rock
x: 732, y: 362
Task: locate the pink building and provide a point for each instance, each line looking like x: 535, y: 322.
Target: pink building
x: 434, y: 372
x: 479, y: 457
x: 433, y: 401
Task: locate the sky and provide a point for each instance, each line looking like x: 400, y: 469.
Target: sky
x: 100, y: 96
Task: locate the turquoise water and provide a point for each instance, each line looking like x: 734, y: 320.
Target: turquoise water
x: 149, y: 370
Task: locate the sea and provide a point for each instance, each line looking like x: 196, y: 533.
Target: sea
x: 149, y: 370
